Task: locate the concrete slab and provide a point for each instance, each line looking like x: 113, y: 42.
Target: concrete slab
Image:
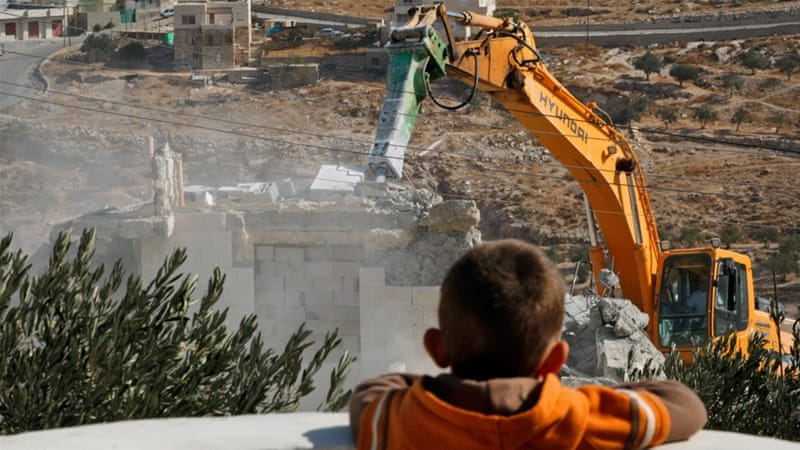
x: 272, y: 432
x: 335, y: 179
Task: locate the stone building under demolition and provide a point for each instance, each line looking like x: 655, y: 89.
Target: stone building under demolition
x: 337, y: 254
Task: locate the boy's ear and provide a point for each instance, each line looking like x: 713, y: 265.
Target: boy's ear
x: 434, y: 345
x: 554, y: 359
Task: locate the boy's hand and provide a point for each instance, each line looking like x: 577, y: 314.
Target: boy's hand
x: 369, y: 390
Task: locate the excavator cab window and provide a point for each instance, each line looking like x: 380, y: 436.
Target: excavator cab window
x: 683, y: 300
x: 730, y: 305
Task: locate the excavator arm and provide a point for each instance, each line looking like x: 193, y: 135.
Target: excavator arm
x: 505, y: 63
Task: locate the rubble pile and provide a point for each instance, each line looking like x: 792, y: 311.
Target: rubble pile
x: 607, y: 337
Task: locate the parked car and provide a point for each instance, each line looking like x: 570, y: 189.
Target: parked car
x: 329, y: 33
x: 168, y: 11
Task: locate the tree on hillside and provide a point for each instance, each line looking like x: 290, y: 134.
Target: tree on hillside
x: 668, y: 114
x: 731, y: 82
x: 766, y: 235
x: 690, y: 236
x: 782, y: 264
x: 754, y: 60
x: 730, y: 234
x: 780, y: 118
x: 788, y: 64
x: 684, y: 72
x: 648, y: 63
x: 791, y: 245
x: 633, y: 111
x: 739, y: 116
x: 79, y: 345
x: 704, y: 114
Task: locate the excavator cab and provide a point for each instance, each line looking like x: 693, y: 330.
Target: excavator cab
x: 683, y: 300
x: 704, y: 294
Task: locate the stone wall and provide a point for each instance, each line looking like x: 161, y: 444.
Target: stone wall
x: 677, y: 28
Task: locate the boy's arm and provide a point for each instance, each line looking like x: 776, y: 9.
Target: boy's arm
x: 370, y: 389
x: 687, y: 412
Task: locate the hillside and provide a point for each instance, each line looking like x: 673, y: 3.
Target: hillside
x: 83, y: 145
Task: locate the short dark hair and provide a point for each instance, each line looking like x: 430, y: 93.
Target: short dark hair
x: 500, y: 306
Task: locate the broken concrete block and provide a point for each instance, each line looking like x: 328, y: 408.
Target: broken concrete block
x: 626, y: 318
x: 333, y: 180
x: 286, y: 188
x: 197, y: 195
x: 452, y: 216
x: 617, y: 355
x: 606, y: 336
x: 581, y: 320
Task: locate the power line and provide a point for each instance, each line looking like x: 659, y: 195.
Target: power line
x: 510, y: 172
x: 702, y: 139
x: 354, y: 152
x: 451, y: 195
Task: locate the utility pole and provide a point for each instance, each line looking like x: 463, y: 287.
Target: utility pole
x: 588, y: 15
x: 65, y: 25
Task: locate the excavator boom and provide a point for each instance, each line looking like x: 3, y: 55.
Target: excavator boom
x: 690, y: 295
x: 506, y: 64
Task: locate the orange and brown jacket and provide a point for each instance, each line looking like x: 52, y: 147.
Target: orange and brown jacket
x: 401, y: 411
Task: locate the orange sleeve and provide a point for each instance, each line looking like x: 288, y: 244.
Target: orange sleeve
x: 367, y: 399
x: 624, y: 418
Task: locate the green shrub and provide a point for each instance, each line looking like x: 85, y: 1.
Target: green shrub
x: 580, y: 254
x: 509, y: 13
x: 98, y: 48
x: 79, y: 346
x: 133, y: 52
x: 754, y: 60
x: 749, y: 394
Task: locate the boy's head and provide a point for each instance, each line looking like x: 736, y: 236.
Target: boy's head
x: 501, y: 308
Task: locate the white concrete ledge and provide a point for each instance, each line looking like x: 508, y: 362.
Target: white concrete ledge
x: 271, y: 432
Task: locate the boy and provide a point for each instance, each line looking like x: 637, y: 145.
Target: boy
x: 501, y: 308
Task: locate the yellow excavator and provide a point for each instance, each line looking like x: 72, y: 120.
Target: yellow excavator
x: 690, y: 295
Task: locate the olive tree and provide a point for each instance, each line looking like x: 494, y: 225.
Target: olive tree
x: 731, y: 82
x: 740, y: 115
x: 669, y: 114
x: 647, y: 63
x: 754, y: 60
x: 752, y: 392
x: 79, y: 345
x: 684, y: 72
x: 704, y: 114
x: 788, y: 64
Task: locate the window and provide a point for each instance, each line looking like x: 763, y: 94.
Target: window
x: 228, y: 39
x: 187, y: 20
x: 196, y: 56
x: 730, y: 305
x: 683, y: 300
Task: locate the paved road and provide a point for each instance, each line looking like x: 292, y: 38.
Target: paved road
x: 17, y: 65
